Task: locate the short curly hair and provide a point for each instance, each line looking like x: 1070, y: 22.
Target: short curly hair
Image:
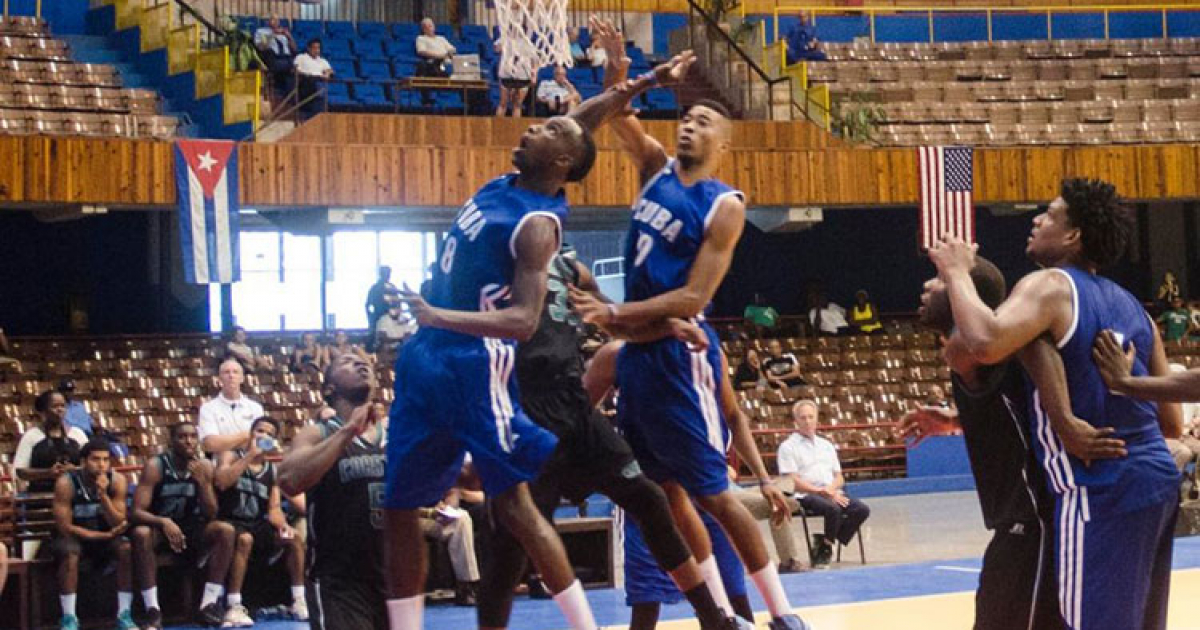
x: 1105, y: 224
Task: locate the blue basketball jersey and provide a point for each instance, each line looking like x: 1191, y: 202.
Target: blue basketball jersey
x: 668, y: 227
x: 474, y: 269
x: 1148, y: 474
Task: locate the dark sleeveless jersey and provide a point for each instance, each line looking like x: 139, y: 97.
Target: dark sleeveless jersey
x: 247, y: 500
x: 177, y: 495
x: 553, y: 351
x: 85, y: 504
x: 1010, y: 482
x: 345, y: 513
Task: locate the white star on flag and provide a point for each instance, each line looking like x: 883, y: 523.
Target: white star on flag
x: 206, y: 161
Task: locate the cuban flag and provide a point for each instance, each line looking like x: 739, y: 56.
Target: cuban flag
x: 206, y: 185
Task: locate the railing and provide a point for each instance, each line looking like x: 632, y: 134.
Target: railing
x: 931, y: 13
x: 37, y: 9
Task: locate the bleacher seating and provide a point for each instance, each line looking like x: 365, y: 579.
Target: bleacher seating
x: 1022, y: 92
x: 42, y: 91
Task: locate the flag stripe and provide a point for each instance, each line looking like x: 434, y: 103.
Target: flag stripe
x: 207, y: 193
x: 946, y: 183
x: 199, y: 228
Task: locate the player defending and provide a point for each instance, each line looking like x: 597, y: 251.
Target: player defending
x: 453, y: 379
x: 1114, y: 517
x: 685, y: 226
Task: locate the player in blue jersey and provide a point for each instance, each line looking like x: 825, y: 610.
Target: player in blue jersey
x: 684, y: 227
x: 454, y: 391
x: 1113, y: 518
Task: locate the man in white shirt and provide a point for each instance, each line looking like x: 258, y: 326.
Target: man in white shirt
x: 434, y: 50
x: 827, y: 318
x: 224, y: 422
x: 811, y: 463
x: 557, y: 94
x: 312, y: 70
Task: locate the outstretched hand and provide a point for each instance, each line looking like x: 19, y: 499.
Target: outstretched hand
x: 422, y: 312
x: 952, y: 254
x: 674, y: 71
x: 781, y: 512
x: 1115, y: 364
x: 923, y: 422
x: 612, y: 41
x: 590, y: 308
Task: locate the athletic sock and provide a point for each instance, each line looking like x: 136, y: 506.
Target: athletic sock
x: 68, y: 604
x: 233, y: 599
x: 708, y: 613
x: 124, y: 601
x: 771, y: 589
x: 405, y: 614
x: 150, y: 597
x: 575, y: 607
x: 297, y: 594
x: 212, y: 592
x: 716, y: 587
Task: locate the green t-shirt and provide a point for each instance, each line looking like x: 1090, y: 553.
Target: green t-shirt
x: 764, y: 316
x: 1175, y: 323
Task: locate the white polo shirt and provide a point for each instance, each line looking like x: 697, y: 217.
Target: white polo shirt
x: 311, y: 66
x: 815, y: 459
x: 221, y: 416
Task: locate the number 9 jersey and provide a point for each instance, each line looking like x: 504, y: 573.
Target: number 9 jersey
x: 454, y: 391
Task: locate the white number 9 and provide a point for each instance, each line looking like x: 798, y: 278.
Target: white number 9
x: 645, y: 243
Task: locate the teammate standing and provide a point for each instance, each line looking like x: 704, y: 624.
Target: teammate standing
x: 680, y: 244
x: 453, y: 387
x: 339, y: 463
x: 590, y: 456
x: 1114, y: 518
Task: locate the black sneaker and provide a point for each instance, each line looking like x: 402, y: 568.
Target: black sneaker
x: 153, y: 620
x: 211, y: 615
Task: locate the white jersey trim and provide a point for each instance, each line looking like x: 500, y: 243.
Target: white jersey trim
x: 1074, y: 310
x: 712, y: 209
x: 512, y: 240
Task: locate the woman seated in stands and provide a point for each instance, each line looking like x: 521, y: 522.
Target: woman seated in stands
x: 51, y: 449
x: 864, y: 317
x: 246, y: 355
x: 309, y: 355
x: 341, y: 345
x: 749, y: 373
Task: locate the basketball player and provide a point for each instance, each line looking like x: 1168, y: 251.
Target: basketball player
x: 590, y: 456
x: 453, y: 389
x: 680, y: 243
x: 175, y: 507
x: 1017, y: 589
x: 1114, y: 518
x: 339, y: 463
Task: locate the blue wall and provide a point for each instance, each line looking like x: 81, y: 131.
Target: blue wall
x: 66, y: 17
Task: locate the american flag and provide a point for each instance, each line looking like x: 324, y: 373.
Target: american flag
x: 946, y: 185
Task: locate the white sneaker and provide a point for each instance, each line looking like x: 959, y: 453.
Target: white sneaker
x: 299, y: 611
x: 237, y: 617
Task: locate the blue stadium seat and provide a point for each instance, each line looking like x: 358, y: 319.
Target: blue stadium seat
x: 580, y: 75
x: 338, y: 94
x: 661, y: 100
x: 406, y: 30
x: 475, y: 32
x: 449, y: 102
x: 588, y: 90
x: 371, y: 95
x: 401, y: 49
x: 374, y: 70
x: 308, y: 26
x: 362, y: 47
x: 333, y: 47
x: 545, y: 73
x: 343, y: 68
x: 340, y: 30
x: 401, y: 69
x: 373, y: 30
x: 445, y: 30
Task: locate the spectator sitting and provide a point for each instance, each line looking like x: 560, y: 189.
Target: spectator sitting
x: 578, y: 54
x: 277, y: 48
x: 802, y: 42
x: 249, y: 499
x: 557, y: 94
x: 341, y: 345
x: 449, y: 524
x: 309, y: 355
x: 782, y: 370
x: 174, y: 506
x: 596, y: 54
x: 1175, y: 321
x: 761, y: 316
x: 6, y: 353
x: 1186, y: 448
x: 47, y: 451
x: 863, y: 315
x: 811, y: 462
x: 781, y: 530
x: 245, y: 354
x: 225, y: 420
x: 312, y: 71
x: 77, y: 413
x: 378, y: 302
x: 749, y: 373
x: 434, y: 50
x: 826, y: 317
x: 1168, y: 291
x: 90, y: 523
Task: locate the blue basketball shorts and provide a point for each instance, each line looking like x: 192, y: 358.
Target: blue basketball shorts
x: 646, y: 583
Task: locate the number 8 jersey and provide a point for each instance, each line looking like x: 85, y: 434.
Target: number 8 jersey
x: 667, y: 230
x: 475, y: 266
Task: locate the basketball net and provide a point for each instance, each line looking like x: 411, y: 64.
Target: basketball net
x: 533, y: 34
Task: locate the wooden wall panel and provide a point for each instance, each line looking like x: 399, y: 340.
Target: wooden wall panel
x: 86, y: 170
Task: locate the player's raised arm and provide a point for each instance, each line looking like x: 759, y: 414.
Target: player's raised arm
x: 712, y: 261
x: 1116, y: 365
x: 595, y: 111
x: 534, y: 246
x: 646, y: 152
x: 1041, y: 302
x: 1170, y: 415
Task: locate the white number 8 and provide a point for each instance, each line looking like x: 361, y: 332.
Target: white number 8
x: 447, y: 261
x: 645, y: 243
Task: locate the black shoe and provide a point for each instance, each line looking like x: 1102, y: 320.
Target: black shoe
x: 464, y: 594
x: 212, y: 615
x: 825, y: 555
x: 153, y: 620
